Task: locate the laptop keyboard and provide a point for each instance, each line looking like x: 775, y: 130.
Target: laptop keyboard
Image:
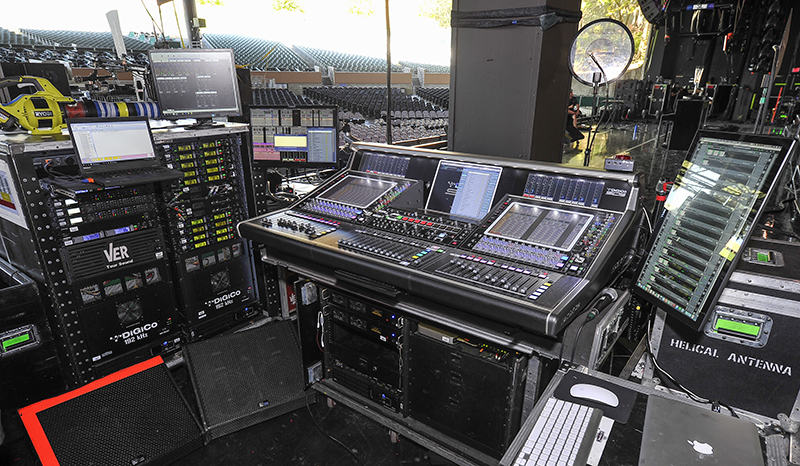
x: 131, y: 172
x: 563, y: 433
x: 137, y: 176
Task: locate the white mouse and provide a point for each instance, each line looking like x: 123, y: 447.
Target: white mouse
x: 594, y: 393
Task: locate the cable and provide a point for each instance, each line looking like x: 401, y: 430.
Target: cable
x: 606, y: 297
x: 337, y: 441
x: 152, y: 19
x: 691, y: 394
x: 388, y: 78
x: 577, y: 336
x: 180, y: 34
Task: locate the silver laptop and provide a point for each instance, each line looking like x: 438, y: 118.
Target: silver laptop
x: 679, y: 434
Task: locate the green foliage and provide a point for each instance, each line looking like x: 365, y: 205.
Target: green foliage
x: 211, y: 2
x: 438, y: 10
x: 625, y: 11
x: 288, y: 5
x: 361, y: 7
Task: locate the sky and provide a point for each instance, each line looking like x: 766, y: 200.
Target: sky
x: 325, y: 24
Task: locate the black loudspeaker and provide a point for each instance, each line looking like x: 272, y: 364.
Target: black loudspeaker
x: 651, y: 10
x: 135, y: 416
x: 245, y: 378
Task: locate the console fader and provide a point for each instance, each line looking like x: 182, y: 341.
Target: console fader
x: 521, y: 243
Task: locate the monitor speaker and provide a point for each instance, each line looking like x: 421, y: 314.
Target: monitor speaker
x: 651, y: 10
x: 245, y: 378
x: 135, y: 416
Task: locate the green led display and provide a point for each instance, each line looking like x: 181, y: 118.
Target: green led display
x: 15, y: 341
x: 738, y: 327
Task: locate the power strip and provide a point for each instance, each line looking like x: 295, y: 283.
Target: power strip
x: 619, y: 165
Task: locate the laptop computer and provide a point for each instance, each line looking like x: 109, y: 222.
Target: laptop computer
x: 677, y: 433
x: 117, y: 152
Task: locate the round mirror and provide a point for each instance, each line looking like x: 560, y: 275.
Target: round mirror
x: 604, y: 46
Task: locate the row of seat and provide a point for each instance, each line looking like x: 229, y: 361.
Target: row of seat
x: 440, y: 69
x: 402, y: 132
x: 369, y: 101
x: 279, y: 97
x: 12, y: 38
x: 82, y: 39
x: 420, y: 114
x: 258, y: 54
x: 255, y: 53
x: 438, y: 95
x: 346, y: 61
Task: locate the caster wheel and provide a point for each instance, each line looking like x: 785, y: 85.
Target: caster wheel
x: 394, y: 437
x: 330, y: 402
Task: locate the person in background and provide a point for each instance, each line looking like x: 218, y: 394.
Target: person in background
x: 573, y: 110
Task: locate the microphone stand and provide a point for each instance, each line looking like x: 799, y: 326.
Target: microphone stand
x: 596, y: 78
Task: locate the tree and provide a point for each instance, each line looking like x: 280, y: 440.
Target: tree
x: 361, y: 7
x: 288, y: 5
x: 438, y: 10
x: 356, y: 7
x: 625, y: 11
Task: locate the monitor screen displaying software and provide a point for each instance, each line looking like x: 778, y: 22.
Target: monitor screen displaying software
x: 707, y: 219
x: 286, y: 136
x: 195, y: 83
x: 464, y: 189
x: 108, y: 142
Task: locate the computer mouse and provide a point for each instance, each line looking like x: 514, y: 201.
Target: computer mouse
x: 594, y: 393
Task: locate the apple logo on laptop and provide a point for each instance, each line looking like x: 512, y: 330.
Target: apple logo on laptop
x: 701, y: 447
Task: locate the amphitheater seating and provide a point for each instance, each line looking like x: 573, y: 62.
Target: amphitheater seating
x: 253, y: 51
x: 12, y: 38
x: 442, y: 69
x: 346, y: 61
x: 369, y: 101
x: 279, y: 97
x: 402, y: 130
x: 81, y: 39
x: 438, y: 95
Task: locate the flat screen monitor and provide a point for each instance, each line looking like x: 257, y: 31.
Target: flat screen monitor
x: 384, y: 164
x: 357, y: 191
x: 708, y: 216
x: 541, y: 226
x: 294, y: 136
x: 464, y: 189
x: 195, y: 83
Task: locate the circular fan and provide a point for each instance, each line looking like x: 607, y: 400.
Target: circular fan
x: 604, y: 46
x: 129, y: 312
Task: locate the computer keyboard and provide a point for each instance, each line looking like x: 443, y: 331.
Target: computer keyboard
x: 562, y: 436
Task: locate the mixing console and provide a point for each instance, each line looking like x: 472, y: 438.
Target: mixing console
x: 527, y: 245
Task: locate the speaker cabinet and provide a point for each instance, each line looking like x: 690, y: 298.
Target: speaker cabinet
x: 245, y: 378
x: 135, y: 416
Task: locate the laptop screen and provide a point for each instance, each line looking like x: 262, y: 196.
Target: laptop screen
x: 105, y: 145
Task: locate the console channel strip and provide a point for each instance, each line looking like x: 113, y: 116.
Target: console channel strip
x: 213, y: 265
x: 114, y: 256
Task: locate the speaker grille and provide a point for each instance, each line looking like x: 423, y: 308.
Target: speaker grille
x: 245, y: 378
x: 138, y: 420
